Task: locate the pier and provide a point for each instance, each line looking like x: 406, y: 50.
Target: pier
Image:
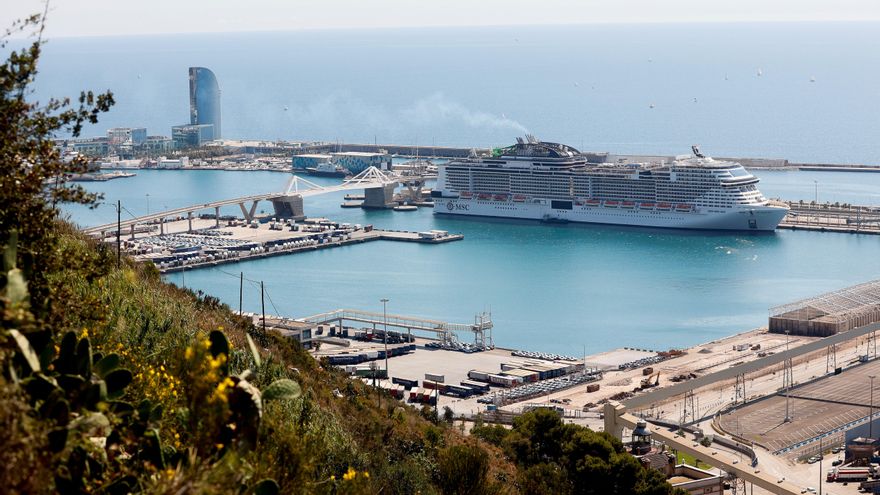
x: 214, y: 246
x: 836, y: 217
x: 378, y: 190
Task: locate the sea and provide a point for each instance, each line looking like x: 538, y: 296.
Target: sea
x: 802, y: 91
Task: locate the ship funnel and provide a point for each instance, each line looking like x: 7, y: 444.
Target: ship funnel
x: 696, y: 149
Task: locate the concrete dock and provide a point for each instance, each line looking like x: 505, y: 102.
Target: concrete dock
x: 207, y: 245
x: 832, y: 217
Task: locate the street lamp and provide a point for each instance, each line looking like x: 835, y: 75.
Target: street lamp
x: 816, y: 184
x: 871, y: 415
x: 385, y: 320
x: 787, y: 376
x: 148, y: 203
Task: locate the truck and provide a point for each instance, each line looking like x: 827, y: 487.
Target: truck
x: 849, y: 473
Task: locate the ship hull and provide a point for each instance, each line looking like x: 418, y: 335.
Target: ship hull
x: 753, y: 218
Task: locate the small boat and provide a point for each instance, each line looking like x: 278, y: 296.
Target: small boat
x: 406, y: 208
x: 519, y: 198
x: 647, y: 206
x: 592, y: 202
x: 484, y: 196
x: 611, y: 204
x: 683, y: 207
x: 466, y: 195
x: 628, y: 204
x: 664, y: 206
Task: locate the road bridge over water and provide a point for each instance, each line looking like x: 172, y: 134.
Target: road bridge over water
x: 378, y: 189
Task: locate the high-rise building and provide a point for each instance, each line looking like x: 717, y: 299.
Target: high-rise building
x: 134, y: 136
x: 204, y: 99
x: 192, y: 135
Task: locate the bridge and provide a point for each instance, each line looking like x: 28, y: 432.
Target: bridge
x: 446, y: 332
x: 378, y: 189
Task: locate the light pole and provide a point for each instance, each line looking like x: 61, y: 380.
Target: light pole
x: 816, y: 185
x: 148, y: 203
x: 385, y: 320
x: 820, y: 464
x: 871, y: 415
x: 787, y: 374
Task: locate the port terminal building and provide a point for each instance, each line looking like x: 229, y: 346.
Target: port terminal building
x: 830, y: 313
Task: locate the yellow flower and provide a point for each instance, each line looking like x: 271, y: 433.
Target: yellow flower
x: 366, y: 474
x: 188, y: 354
x: 219, y: 446
x: 350, y: 474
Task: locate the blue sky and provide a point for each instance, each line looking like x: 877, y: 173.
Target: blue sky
x: 124, y: 17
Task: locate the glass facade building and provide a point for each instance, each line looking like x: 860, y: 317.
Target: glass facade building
x: 204, y: 99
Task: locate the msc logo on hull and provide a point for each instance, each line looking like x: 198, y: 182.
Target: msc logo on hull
x: 452, y: 206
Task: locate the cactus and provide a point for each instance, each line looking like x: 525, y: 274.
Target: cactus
x: 16, y: 289
x: 283, y: 389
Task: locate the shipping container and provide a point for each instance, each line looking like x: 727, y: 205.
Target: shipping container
x: 435, y: 378
x: 407, y: 384
x: 414, y: 394
x: 592, y: 387
x: 505, y: 381
x: 479, y: 387
x: 433, y: 385
x: 480, y: 376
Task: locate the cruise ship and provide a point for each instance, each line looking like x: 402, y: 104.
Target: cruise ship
x: 553, y: 182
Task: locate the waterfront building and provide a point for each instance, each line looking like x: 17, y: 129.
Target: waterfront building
x: 158, y: 144
x: 204, y: 99
x: 191, y: 135
x: 173, y: 163
x: 312, y: 160
x: 132, y: 136
x: 357, y: 161
x: 99, y: 146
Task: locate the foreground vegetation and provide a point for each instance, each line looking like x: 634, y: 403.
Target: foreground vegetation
x: 112, y: 381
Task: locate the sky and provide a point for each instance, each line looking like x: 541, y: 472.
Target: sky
x: 73, y: 18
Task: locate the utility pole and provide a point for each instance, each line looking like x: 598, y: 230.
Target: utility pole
x: 263, y: 304
x: 118, y: 231
x: 385, y: 320
x: 871, y: 415
x: 787, y: 375
x: 820, y: 465
x: 240, y: 292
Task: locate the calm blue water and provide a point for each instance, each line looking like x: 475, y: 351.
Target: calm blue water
x: 551, y: 288
x: 589, y: 86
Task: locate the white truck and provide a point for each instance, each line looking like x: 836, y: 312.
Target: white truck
x: 849, y: 473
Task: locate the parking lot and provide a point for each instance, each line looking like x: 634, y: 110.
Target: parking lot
x: 827, y: 405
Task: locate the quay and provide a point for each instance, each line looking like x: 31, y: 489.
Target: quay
x: 832, y: 217
x: 237, y: 242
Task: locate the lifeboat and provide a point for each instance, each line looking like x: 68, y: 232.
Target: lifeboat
x: 592, y: 202
x: 664, y: 206
x: 466, y: 195
x: 519, y: 198
x: 647, y: 206
x: 627, y: 204
x: 484, y: 196
x: 612, y: 204
x: 500, y: 197
x: 683, y: 207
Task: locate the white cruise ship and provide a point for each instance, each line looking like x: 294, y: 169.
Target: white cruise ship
x: 554, y: 183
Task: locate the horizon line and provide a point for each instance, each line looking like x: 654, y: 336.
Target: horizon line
x: 459, y: 26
